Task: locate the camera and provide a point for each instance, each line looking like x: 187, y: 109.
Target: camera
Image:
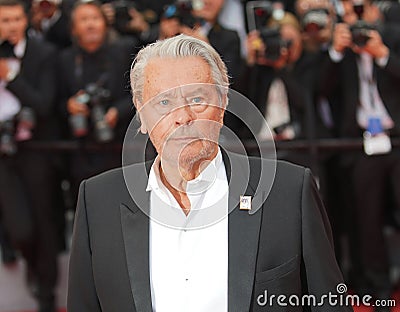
x: 273, y: 42
x: 360, y: 32
x: 25, y: 122
x: 7, y: 141
x: 7, y: 49
x: 96, y: 97
x: 315, y: 20
x: 182, y: 10
x: 122, y: 16
x: 360, y: 29
x: 260, y: 12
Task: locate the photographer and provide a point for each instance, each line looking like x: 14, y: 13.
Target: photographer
x: 135, y: 18
x: 48, y: 21
x: 317, y: 18
x: 27, y: 90
x: 200, y: 19
x: 363, y: 71
x: 94, y: 103
x: 272, y: 55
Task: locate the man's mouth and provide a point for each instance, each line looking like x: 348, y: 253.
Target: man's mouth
x: 184, y: 139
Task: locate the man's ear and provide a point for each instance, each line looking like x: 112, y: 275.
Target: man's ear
x: 138, y: 105
x: 224, y: 104
x: 143, y: 128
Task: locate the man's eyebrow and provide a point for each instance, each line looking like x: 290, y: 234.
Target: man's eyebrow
x: 198, y: 90
x: 169, y: 93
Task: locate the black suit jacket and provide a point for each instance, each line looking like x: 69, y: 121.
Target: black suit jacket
x: 227, y: 43
x: 77, y: 68
x: 35, y: 85
x: 284, y: 248
x: 259, y: 79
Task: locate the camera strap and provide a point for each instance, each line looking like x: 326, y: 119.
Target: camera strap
x: 371, y: 104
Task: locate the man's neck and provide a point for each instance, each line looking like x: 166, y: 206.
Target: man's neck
x: 91, y: 47
x: 178, y: 177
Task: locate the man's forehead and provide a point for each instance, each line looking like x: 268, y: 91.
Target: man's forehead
x: 162, y: 74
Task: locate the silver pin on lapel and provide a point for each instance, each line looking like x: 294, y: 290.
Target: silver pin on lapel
x: 245, y: 202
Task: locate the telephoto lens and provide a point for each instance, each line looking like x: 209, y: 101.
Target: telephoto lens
x: 8, y: 146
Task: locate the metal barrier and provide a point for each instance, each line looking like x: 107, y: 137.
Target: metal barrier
x: 301, y: 145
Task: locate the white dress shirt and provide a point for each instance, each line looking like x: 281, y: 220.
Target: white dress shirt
x: 370, y: 100
x: 371, y: 104
x: 189, y: 254
x: 9, y: 103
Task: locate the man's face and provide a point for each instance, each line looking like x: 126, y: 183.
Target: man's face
x: 13, y: 23
x: 369, y: 13
x: 290, y: 33
x: 89, y: 25
x: 210, y: 10
x: 181, y: 109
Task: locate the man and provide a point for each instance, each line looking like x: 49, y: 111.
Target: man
x: 90, y: 81
x: 272, y: 83
x: 50, y: 22
x: 178, y: 260
x: 364, y: 72
x: 27, y: 85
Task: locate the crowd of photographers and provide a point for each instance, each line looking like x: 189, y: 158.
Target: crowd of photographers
x: 314, y: 69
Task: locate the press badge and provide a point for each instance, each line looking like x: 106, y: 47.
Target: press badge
x: 376, y: 141
x: 377, y: 144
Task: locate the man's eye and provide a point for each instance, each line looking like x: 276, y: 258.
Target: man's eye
x: 197, y: 99
x: 164, y: 102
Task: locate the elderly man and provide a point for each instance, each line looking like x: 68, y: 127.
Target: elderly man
x: 146, y: 233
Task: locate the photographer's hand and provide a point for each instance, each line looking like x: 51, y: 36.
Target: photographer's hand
x: 256, y: 52
x: 75, y: 107
x: 36, y: 17
x: 375, y: 46
x: 342, y: 38
x: 193, y: 32
x: 4, y: 69
x: 137, y: 22
x: 255, y: 46
x: 111, y: 117
x: 109, y: 13
x: 169, y: 27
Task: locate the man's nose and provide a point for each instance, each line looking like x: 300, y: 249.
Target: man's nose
x: 184, y: 115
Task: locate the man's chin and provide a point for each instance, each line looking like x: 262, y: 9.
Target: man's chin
x: 187, y: 155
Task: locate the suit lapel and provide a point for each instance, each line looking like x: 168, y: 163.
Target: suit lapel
x: 243, y: 229
x: 135, y: 230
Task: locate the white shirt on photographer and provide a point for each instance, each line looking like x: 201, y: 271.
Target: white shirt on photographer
x: 9, y: 103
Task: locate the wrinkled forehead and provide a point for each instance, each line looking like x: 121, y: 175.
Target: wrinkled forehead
x: 163, y: 74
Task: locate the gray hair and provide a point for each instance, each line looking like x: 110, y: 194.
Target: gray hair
x: 176, y: 47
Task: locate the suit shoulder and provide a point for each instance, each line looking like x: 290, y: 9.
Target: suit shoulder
x: 115, y: 178
x: 285, y: 167
x: 44, y: 47
x: 108, y: 177
x: 282, y: 166
x: 67, y: 53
